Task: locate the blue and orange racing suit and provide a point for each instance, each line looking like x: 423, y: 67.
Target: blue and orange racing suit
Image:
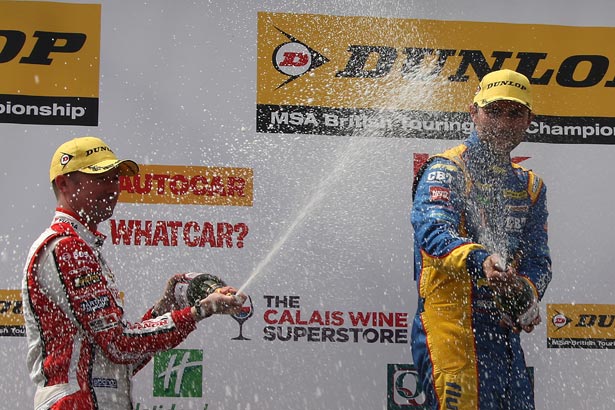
x: 466, y: 207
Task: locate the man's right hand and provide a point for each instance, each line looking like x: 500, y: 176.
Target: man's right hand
x: 225, y: 301
x: 500, y: 277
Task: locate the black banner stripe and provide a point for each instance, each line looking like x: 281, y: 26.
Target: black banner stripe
x: 27, y: 109
x: 291, y: 119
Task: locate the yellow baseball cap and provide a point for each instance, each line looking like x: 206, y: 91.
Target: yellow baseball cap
x: 504, y: 85
x: 89, y: 155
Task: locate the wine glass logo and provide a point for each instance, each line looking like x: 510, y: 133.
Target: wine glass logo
x: 246, y: 312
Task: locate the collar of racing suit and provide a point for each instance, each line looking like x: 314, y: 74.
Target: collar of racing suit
x: 94, y: 239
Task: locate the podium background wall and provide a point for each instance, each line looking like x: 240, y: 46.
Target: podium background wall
x: 325, y: 218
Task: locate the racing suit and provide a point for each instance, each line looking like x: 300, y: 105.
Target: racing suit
x: 466, y: 206
x: 81, y: 351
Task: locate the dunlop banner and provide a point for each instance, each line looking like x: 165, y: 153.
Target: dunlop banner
x: 49, y: 63
x: 339, y: 75
x: 584, y: 326
x: 11, y: 313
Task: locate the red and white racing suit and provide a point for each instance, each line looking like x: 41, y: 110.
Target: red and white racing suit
x: 81, y: 351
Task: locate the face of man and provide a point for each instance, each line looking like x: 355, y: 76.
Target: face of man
x: 92, y: 196
x: 501, y: 125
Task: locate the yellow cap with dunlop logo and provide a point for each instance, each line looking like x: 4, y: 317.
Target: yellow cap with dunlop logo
x: 504, y: 85
x: 89, y: 155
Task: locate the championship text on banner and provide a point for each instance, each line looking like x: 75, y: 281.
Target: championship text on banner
x: 339, y: 75
x: 49, y: 63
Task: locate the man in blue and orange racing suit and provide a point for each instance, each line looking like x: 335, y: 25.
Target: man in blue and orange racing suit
x: 82, y: 352
x: 480, y: 237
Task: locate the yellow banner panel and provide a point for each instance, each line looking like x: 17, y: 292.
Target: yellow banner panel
x: 428, y: 65
x: 191, y: 185
x: 11, y: 309
x: 49, y: 49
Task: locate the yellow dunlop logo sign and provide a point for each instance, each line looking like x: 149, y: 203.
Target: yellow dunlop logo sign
x: 343, y: 75
x: 49, y: 62
x: 588, y: 326
x: 188, y: 185
x: 11, y: 313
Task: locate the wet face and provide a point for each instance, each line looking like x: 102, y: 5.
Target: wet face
x: 92, y: 196
x: 502, y: 124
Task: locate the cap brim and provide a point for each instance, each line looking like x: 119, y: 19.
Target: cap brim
x: 126, y: 167
x: 484, y: 103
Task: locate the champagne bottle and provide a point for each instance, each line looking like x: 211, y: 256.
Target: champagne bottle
x: 196, y: 286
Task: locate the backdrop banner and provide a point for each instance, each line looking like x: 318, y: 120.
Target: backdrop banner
x: 411, y: 78
x: 277, y: 143
x: 49, y: 63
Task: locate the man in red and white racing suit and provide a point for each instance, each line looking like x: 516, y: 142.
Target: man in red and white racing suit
x: 82, y: 353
